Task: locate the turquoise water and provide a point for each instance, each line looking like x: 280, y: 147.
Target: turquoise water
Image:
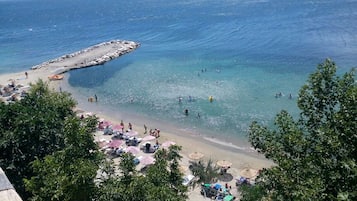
x: 248, y: 51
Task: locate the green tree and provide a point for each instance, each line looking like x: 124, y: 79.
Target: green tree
x: 68, y: 174
x: 32, y: 128
x: 206, y: 173
x: 162, y: 180
x: 315, y: 156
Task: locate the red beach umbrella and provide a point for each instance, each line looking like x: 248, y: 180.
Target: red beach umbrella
x: 147, y: 160
x: 106, y: 123
x: 148, y: 138
x: 132, y: 149
x: 132, y: 133
x: 117, y: 127
x: 115, y: 143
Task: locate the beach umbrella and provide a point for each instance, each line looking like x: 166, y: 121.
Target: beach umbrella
x: 196, y: 155
x: 147, y: 160
x: 131, y: 133
x: 132, y: 150
x: 148, y: 138
x: 248, y: 173
x: 117, y: 127
x: 106, y: 123
x: 224, y: 163
x: 115, y: 143
x: 167, y: 144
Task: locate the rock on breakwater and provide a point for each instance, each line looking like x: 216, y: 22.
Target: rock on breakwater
x: 91, y: 56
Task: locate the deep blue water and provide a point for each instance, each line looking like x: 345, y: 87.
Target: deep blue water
x: 249, y: 51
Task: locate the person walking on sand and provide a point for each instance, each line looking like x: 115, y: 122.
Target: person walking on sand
x: 27, y: 75
x: 145, y: 129
x: 122, y: 125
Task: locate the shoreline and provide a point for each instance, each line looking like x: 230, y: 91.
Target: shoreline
x: 212, y: 147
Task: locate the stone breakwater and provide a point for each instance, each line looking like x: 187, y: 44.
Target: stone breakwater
x: 91, y: 56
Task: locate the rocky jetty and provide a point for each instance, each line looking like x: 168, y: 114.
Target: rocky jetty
x: 91, y: 56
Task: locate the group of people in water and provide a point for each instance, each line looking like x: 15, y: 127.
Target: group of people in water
x: 191, y: 99
x: 279, y: 95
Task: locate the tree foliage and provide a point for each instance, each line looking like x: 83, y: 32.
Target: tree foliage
x: 205, y: 172
x: 32, y: 128
x: 162, y: 180
x: 68, y: 174
x: 47, y: 149
x: 315, y: 156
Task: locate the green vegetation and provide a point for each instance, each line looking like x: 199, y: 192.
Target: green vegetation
x: 32, y: 128
x: 48, y: 153
x: 67, y: 174
x: 206, y: 173
x: 162, y: 180
x: 315, y: 156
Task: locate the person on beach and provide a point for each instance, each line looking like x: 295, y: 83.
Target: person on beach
x: 198, y: 115
x: 130, y: 126
x: 95, y: 97
x: 27, y: 75
x: 122, y: 125
x: 186, y: 112
x: 145, y: 129
x: 157, y: 145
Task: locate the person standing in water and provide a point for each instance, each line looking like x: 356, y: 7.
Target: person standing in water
x: 186, y: 112
x: 95, y: 97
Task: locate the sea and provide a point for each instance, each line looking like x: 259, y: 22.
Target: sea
x: 251, y: 56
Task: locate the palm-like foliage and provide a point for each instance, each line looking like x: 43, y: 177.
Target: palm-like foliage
x: 205, y: 173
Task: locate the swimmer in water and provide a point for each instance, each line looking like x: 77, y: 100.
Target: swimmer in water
x: 180, y: 99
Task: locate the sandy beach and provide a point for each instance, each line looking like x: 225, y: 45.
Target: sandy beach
x: 211, y: 148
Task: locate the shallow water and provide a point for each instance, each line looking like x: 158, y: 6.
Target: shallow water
x: 248, y: 51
